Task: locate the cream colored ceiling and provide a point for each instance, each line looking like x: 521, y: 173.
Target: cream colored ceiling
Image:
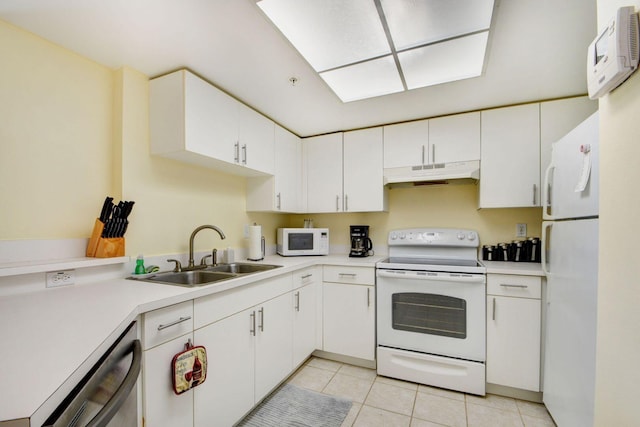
x: 537, y: 50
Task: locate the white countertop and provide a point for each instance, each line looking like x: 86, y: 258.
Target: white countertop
x: 510, y: 267
x: 50, y: 338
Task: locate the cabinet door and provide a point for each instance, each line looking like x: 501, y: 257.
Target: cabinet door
x: 363, y: 185
x: 406, y: 144
x: 510, y: 157
x: 228, y: 392
x: 349, y: 320
x: 211, y: 120
x: 162, y: 407
x: 256, y: 134
x: 454, y: 138
x: 304, y: 323
x: 513, y: 342
x: 274, y: 343
x: 323, y: 165
x: 288, y: 171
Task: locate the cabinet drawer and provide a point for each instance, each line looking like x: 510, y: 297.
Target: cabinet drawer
x: 167, y: 323
x: 306, y: 277
x: 215, y: 307
x: 514, y: 286
x: 354, y: 275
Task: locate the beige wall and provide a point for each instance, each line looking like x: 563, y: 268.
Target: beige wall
x: 73, y: 132
x: 55, y: 138
x: 618, y: 342
x: 450, y: 205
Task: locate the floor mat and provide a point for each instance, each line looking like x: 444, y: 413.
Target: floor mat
x: 297, y: 407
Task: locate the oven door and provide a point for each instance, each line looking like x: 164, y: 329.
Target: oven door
x: 432, y: 312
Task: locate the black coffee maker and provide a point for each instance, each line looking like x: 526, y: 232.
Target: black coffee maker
x: 361, y: 245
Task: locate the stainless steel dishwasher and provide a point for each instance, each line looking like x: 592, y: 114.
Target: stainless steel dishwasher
x: 107, y: 395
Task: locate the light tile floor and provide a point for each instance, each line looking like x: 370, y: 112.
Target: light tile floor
x: 381, y: 401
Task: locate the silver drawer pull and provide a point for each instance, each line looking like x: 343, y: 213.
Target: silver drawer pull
x: 507, y: 285
x: 347, y: 274
x: 306, y: 276
x: 175, y: 322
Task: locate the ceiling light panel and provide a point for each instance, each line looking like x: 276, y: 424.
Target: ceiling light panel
x: 456, y: 59
x: 329, y: 33
x: 365, y: 79
x: 416, y: 22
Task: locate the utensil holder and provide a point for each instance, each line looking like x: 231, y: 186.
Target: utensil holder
x: 102, y: 247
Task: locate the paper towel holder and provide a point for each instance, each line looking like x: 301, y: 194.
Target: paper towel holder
x: 262, y: 247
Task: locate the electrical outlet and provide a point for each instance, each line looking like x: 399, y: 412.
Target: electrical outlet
x: 61, y: 278
x: 521, y: 230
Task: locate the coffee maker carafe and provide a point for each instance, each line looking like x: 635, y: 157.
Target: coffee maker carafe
x: 361, y: 245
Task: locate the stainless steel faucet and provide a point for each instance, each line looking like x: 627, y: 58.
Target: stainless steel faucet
x: 193, y: 235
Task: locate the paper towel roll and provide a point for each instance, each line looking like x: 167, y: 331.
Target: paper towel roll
x: 255, y: 243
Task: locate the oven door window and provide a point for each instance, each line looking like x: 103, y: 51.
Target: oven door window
x: 300, y: 241
x: 430, y: 314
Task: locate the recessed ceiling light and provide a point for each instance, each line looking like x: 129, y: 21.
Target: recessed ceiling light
x: 367, y: 48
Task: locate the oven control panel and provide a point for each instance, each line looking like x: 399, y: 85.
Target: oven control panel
x: 433, y: 237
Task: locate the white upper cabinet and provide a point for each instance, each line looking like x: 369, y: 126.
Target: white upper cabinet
x: 282, y: 192
x: 510, y: 157
x: 440, y: 140
x: 194, y: 122
x: 364, y: 189
x: 406, y: 144
x: 323, y: 170
x: 343, y: 172
x: 454, y: 138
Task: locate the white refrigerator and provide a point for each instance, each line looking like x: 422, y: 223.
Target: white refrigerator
x: 570, y: 236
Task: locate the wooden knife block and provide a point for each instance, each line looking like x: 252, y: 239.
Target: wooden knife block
x: 101, y: 247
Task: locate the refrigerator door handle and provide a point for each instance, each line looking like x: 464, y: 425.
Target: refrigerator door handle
x: 546, y: 230
x: 546, y: 193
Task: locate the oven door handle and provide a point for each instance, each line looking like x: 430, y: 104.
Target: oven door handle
x: 412, y: 275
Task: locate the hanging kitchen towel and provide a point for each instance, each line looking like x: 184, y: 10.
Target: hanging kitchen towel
x: 189, y: 368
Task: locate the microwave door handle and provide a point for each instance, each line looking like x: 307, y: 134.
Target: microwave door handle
x: 115, y: 403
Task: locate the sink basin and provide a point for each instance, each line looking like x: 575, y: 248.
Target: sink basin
x: 190, y: 278
x: 242, y: 268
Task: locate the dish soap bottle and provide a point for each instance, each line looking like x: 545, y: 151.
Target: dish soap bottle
x: 139, y: 265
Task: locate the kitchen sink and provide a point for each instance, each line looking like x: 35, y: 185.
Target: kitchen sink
x: 242, y: 268
x: 209, y: 275
x: 190, y: 278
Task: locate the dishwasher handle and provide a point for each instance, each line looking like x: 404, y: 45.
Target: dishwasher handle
x: 113, y: 405
x: 428, y: 276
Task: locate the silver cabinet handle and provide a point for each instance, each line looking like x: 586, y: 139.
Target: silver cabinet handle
x: 507, y: 285
x: 337, y: 203
x: 252, y: 330
x: 494, y: 310
x: 261, y: 324
x: 423, y: 154
x: 244, y: 154
x: 236, y: 156
x: 534, y: 194
x: 433, y: 154
x: 279, y: 202
x: 346, y: 203
x: 306, y: 276
x: 297, y: 295
x: 347, y: 274
x: 368, y: 297
x: 175, y: 322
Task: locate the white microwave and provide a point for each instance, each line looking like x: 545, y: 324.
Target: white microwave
x: 303, y: 241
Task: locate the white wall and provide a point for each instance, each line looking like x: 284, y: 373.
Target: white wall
x: 618, y: 342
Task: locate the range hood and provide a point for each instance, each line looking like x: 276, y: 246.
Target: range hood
x: 438, y: 173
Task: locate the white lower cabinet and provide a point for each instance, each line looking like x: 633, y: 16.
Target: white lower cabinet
x: 162, y: 407
x: 514, y: 331
x: 349, y: 311
x: 305, y: 314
